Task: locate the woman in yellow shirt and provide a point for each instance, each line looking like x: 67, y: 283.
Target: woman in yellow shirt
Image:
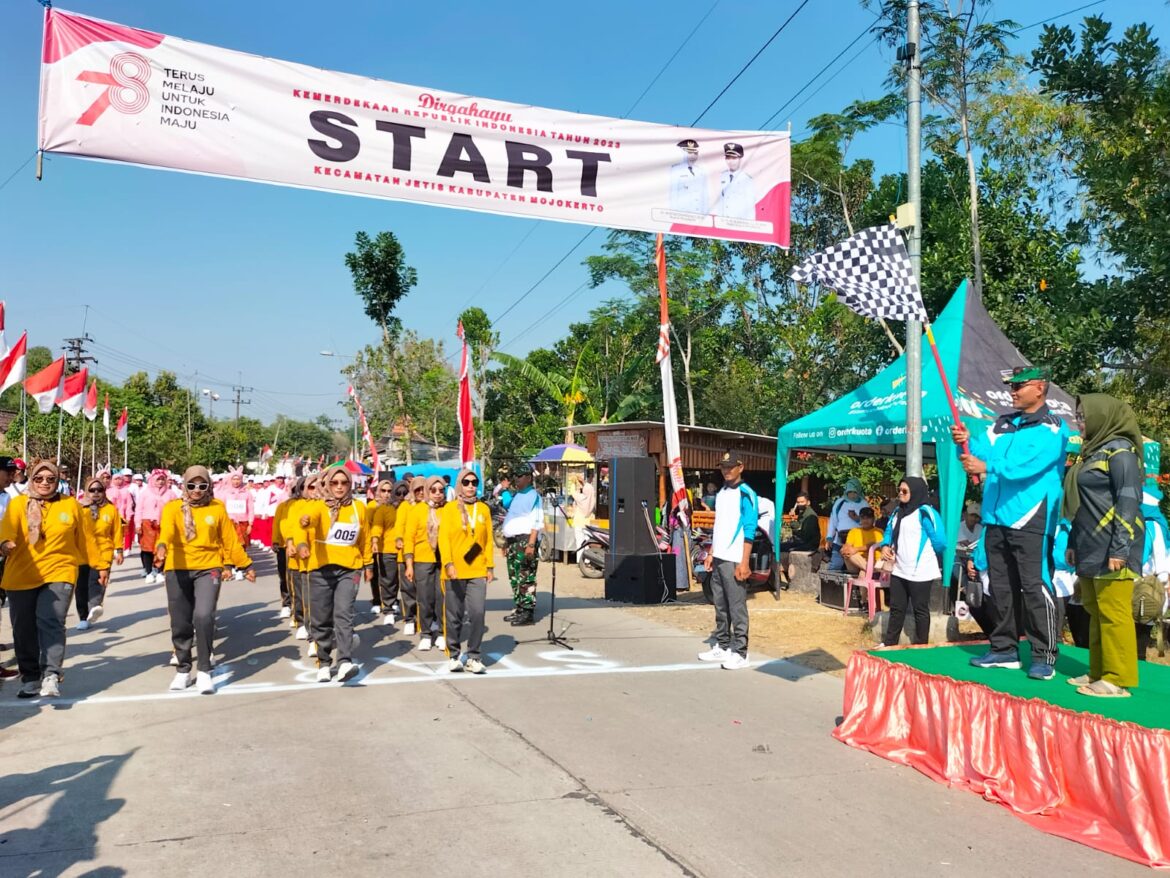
x: 102, y: 526
x: 465, y: 545
x: 421, y: 541
x: 339, y: 551
x: 279, y: 516
x: 408, y: 594
x: 382, y: 542
x: 292, y: 535
x: 42, y: 539
x: 196, y: 539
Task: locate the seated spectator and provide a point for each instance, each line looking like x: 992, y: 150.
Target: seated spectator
x: 844, y: 516
x: 709, y: 496
x: 806, y: 530
x: 857, y: 543
x: 971, y: 527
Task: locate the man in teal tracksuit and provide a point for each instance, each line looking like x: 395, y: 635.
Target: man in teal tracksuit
x: 1022, y: 458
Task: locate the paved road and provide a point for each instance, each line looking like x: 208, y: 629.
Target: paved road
x: 623, y: 757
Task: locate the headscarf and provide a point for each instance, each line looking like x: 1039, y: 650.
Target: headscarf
x: 394, y: 498
x: 312, y: 480
x: 382, y: 482
x: 433, y: 510
x: 335, y: 504
x: 417, y: 482
x: 87, y: 500
x: 189, y: 502
x: 297, y: 489
x: 463, y: 503
x: 919, y: 493
x: 1106, y: 418
x: 855, y: 486
x: 39, y: 495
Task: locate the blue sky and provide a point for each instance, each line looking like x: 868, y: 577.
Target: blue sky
x: 235, y: 280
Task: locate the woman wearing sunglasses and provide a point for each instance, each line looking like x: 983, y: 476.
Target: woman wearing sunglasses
x: 337, y: 548
x: 42, y: 540
x: 103, y: 538
x: 421, y: 539
x: 196, y: 540
x: 390, y: 496
x: 151, y: 499
x: 408, y: 594
x: 465, y: 545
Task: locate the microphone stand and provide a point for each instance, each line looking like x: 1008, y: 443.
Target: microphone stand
x: 551, y: 636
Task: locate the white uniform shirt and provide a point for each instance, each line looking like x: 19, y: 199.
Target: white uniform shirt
x: 525, y: 514
x: 909, y: 564
x: 727, y: 537
x: 688, y: 189
x: 969, y: 534
x: 767, y: 518
x: 737, y: 195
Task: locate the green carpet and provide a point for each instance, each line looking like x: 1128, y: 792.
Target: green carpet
x: 1148, y: 706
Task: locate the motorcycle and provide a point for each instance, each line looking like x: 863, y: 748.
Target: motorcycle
x: 498, y: 512
x: 592, y: 551
x: 761, y: 564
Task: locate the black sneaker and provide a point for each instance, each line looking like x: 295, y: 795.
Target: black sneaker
x: 511, y: 616
x: 524, y: 617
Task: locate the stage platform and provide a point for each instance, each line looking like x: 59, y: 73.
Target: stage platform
x: 1093, y: 770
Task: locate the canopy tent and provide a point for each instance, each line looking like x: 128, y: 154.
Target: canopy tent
x: 871, y: 420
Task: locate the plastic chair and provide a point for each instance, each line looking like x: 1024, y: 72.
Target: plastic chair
x: 869, y: 580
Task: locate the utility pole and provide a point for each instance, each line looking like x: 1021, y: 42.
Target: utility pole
x: 238, y: 389
x: 910, y: 54
x: 76, y: 355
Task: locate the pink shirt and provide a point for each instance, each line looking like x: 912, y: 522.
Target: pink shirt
x: 151, y: 501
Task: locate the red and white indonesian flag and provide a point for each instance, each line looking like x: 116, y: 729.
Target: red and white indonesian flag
x: 106, y: 414
x: 464, y: 412
x: 120, y: 431
x: 3, y: 343
x: 366, y: 435
x: 45, y: 386
x: 109, y: 91
x: 91, y: 405
x: 72, y: 396
x: 266, y: 453
x: 14, y: 363
x: 669, y: 406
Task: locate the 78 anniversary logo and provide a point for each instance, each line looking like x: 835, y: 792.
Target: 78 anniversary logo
x: 125, y: 84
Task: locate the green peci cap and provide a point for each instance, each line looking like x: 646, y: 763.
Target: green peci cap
x: 1026, y: 373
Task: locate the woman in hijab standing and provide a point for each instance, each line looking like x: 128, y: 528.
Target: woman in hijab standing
x: 340, y: 551
x: 196, y: 541
x: 1102, y: 499
x: 421, y: 538
x: 102, y: 526
x: 42, y: 540
x: 913, y: 540
x: 279, y: 517
x: 465, y: 545
x: 408, y: 593
x: 383, y: 544
x: 238, y: 499
x: 151, y: 499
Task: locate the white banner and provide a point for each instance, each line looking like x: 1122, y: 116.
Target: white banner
x: 118, y: 93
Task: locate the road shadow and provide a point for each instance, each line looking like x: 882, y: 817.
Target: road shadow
x: 46, y: 844
x: 805, y: 664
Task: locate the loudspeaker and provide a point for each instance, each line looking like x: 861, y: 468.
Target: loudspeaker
x: 632, y: 482
x: 639, y: 579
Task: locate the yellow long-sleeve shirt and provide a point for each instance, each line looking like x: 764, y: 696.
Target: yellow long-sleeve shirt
x: 56, y: 555
x: 291, y: 529
x: 398, y: 529
x: 345, y: 542
x: 382, y: 527
x: 456, y: 538
x: 215, y: 543
x: 102, y: 536
x: 414, y: 534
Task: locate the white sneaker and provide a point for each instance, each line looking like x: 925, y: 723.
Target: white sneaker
x: 313, y: 649
x: 50, y: 686
x: 239, y: 574
x: 408, y: 629
x: 149, y: 578
x: 715, y: 654
x: 285, y: 612
x: 355, y: 641
x: 159, y: 577
x: 440, y: 642
x: 346, y: 671
x: 95, y: 613
x: 735, y: 662
x: 475, y: 666
x: 203, y: 683
x: 83, y: 625
x: 302, y: 633
x: 454, y: 665
x: 174, y: 662
x: 388, y: 619
x: 180, y: 682
x: 323, y: 674
x: 424, y: 644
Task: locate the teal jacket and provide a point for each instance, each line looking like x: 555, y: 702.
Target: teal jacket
x: 932, y: 532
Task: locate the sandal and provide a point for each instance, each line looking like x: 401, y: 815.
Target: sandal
x: 1104, y: 689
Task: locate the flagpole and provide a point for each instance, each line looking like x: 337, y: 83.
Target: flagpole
x: 914, y: 187
x: 92, y: 443
x: 60, y: 425
x: 23, y: 427
x: 109, y: 450
x: 81, y: 456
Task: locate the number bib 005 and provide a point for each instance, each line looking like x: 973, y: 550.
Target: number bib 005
x: 342, y: 533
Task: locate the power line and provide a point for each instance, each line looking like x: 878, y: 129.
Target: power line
x: 23, y: 165
x: 670, y: 60
x: 1061, y: 15
x: 555, y: 266
x: 750, y: 62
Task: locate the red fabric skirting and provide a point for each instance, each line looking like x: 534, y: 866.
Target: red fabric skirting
x: 1103, y: 783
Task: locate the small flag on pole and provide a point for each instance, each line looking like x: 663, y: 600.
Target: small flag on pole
x: 266, y: 454
x: 3, y: 343
x: 14, y: 363
x: 120, y: 431
x: 106, y: 414
x: 871, y: 271
x: 72, y: 395
x: 90, y: 408
x: 45, y: 385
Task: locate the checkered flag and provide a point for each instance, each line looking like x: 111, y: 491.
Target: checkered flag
x: 871, y: 272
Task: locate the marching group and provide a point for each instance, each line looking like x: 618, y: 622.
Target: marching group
x: 425, y: 546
